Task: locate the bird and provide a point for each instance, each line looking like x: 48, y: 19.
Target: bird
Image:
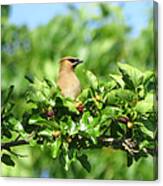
x: 68, y: 82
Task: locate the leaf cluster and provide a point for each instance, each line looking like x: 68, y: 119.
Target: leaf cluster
x: 119, y: 113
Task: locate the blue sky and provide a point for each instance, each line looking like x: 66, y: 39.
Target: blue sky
x: 136, y: 14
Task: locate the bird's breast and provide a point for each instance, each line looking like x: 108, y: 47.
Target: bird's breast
x: 69, y: 85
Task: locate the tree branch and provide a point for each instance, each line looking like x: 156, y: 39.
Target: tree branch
x: 80, y: 142
x: 7, y: 145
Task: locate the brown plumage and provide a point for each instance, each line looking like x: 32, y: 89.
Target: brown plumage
x: 67, y: 80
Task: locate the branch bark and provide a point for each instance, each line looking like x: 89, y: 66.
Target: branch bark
x: 7, y: 145
x: 82, y: 143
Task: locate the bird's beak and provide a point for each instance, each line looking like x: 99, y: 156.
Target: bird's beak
x: 77, y: 62
x: 80, y: 61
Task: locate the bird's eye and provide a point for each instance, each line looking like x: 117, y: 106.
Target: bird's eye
x: 73, y: 60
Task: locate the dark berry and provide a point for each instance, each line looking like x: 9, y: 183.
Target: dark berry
x: 80, y: 108
x: 50, y: 113
x: 123, y: 119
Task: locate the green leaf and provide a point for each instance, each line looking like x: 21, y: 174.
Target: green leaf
x: 120, y: 96
x: 94, y: 132
x: 68, y: 155
x: 145, y: 105
x: 39, y: 121
x: 86, y: 122
x: 49, y: 83
x: 104, y: 9
x: 7, y: 160
x: 143, y: 144
x: 67, y: 162
x: 146, y: 131
x: 110, y: 112
x: 110, y: 85
x: 46, y: 132
x: 118, y: 79
x: 71, y: 105
x: 32, y: 142
x: 92, y: 79
x: 55, y: 147
x: 129, y: 160
x: 6, y: 132
x: 131, y: 76
x: 68, y: 126
x: 84, y: 162
x: 10, y: 91
x: 141, y: 91
x: 85, y: 117
x: 150, y: 121
x: 84, y: 94
x: 148, y: 75
x: 149, y: 81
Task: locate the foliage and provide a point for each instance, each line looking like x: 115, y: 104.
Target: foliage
x: 116, y: 113
x: 41, y: 130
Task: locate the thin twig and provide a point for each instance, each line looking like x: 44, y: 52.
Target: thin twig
x: 7, y: 145
x: 17, y: 137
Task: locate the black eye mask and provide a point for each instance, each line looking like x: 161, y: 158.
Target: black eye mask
x: 75, y: 61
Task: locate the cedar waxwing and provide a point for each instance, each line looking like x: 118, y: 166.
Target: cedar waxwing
x: 67, y: 80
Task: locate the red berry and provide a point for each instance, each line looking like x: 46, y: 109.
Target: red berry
x: 50, y: 113
x: 80, y: 107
